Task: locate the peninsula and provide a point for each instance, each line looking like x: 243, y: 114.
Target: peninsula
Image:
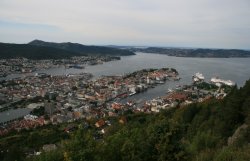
x: 201, y: 53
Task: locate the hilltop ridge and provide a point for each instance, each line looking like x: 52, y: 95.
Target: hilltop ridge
x: 38, y: 49
x: 199, y: 52
x: 83, y: 49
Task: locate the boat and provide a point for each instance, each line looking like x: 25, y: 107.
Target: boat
x: 170, y: 90
x: 133, y: 93
x: 160, y: 82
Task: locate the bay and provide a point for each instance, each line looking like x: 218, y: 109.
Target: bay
x: 235, y: 69
x: 13, y: 114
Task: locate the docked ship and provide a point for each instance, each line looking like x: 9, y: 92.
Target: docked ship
x: 133, y: 93
x: 219, y: 81
x: 198, y: 77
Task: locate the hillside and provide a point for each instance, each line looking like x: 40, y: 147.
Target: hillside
x: 44, y: 50
x: 208, y: 53
x: 8, y: 51
x: 215, y: 130
x: 83, y: 49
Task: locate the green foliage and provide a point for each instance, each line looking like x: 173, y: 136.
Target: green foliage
x: 196, y: 132
x: 32, y: 140
x: 81, y: 147
x: 206, y: 86
x: 14, y: 154
x: 206, y: 155
x: 55, y: 155
x: 32, y: 52
x: 38, y: 111
x: 189, y: 113
x: 82, y: 49
x: 203, y: 141
x: 209, y: 53
x: 233, y: 154
x: 45, y: 50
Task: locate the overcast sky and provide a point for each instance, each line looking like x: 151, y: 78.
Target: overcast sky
x: 183, y: 23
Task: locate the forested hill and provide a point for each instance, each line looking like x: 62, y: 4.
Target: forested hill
x: 83, y: 49
x: 8, y: 51
x: 44, y: 50
x: 206, y: 53
x: 216, y: 130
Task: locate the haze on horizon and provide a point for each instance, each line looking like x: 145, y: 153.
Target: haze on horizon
x: 172, y: 23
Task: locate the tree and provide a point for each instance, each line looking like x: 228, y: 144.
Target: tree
x: 81, y: 147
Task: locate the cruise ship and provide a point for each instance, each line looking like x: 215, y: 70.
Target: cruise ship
x: 198, y: 77
x: 218, y: 81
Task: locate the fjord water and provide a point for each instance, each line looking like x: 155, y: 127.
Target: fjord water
x: 235, y: 69
x: 13, y: 114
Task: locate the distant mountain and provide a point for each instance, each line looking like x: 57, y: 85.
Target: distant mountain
x: 8, y: 51
x: 120, y: 47
x: 83, y: 49
x: 208, y: 53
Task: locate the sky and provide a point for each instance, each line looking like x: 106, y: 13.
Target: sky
x: 169, y: 23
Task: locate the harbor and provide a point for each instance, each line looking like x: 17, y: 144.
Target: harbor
x: 186, y: 68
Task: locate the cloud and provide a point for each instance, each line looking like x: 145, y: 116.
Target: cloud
x: 198, y: 23
x: 21, y: 26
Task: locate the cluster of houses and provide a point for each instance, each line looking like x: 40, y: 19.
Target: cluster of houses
x: 40, y: 85
x: 25, y: 123
x: 24, y: 65
x: 73, y: 97
x: 187, y: 94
